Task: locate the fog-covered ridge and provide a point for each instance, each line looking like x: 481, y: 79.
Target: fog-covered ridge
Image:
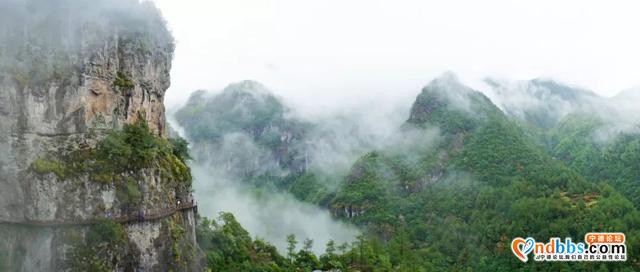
x: 458, y: 159
x: 544, y: 103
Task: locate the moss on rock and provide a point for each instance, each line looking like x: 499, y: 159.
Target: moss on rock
x: 45, y: 166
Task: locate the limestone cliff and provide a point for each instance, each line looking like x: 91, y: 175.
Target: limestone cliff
x: 70, y: 72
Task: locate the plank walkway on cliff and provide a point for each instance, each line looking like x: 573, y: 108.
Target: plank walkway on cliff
x: 130, y: 218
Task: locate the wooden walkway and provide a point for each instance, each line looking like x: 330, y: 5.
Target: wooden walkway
x: 130, y: 218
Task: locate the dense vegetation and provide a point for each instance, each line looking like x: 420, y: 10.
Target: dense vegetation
x: 615, y: 160
x: 487, y: 184
x: 456, y: 206
x: 120, y: 158
x: 229, y: 247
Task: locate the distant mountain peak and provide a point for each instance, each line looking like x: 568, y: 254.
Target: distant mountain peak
x: 247, y: 86
x: 449, y: 90
x: 449, y: 82
x: 539, y: 87
x: 541, y: 102
x: 564, y: 91
x: 632, y: 94
x: 240, y: 107
x: 448, y: 103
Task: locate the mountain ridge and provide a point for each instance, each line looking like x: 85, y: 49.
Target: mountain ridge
x: 467, y: 171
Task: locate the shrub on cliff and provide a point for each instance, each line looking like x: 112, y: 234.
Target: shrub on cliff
x: 121, y: 155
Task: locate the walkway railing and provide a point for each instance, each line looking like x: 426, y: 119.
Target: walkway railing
x: 139, y: 216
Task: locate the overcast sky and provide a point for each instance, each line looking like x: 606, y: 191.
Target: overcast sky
x: 325, y: 52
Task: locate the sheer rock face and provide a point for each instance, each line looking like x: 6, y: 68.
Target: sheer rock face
x: 69, y: 70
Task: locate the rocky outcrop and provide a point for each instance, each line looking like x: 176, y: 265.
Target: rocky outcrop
x: 70, y: 71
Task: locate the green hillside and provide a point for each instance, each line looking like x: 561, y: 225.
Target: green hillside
x: 485, y: 184
x: 457, y: 204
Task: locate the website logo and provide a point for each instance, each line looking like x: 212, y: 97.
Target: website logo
x: 598, y: 246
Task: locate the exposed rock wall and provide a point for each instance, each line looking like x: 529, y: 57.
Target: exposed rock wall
x: 69, y: 71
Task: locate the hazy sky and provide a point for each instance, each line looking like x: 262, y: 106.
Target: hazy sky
x: 323, y: 53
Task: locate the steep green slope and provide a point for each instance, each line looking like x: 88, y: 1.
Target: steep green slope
x: 592, y: 135
x: 614, y: 160
x: 455, y: 202
x: 486, y: 183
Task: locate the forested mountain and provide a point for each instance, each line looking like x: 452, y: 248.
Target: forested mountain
x: 595, y: 136
x: 246, y: 129
x: 615, y: 160
x: 94, y: 178
x: 455, y: 201
x: 486, y: 181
